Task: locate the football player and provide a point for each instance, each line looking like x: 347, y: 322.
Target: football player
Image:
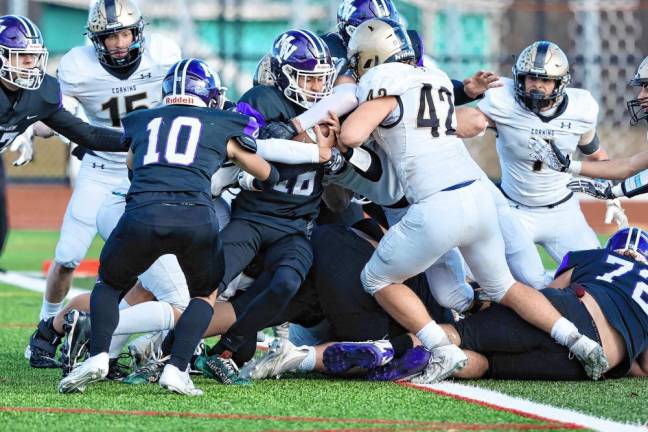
x: 413, y: 120
x: 537, y: 104
x: 626, y: 169
x: 278, y: 220
x: 120, y: 72
x: 603, y: 291
x: 175, y: 149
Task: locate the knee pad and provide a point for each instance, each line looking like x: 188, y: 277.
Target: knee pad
x: 166, y: 281
x: 372, y: 283
x: 286, y: 281
x: 69, y: 253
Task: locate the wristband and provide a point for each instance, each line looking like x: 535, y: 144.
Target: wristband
x: 575, y: 167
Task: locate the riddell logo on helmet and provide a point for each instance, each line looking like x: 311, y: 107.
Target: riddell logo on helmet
x: 182, y: 100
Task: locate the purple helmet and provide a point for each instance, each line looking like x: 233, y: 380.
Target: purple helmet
x: 631, y: 238
x: 191, y: 82
x: 22, y: 52
x: 298, y: 57
x: 352, y: 13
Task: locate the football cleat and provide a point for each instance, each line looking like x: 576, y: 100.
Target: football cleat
x: 93, y: 369
x: 344, y: 356
x: 119, y: 367
x: 410, y: 364
x: 177, y: 381
x: 77, y: 339
x: 144, y: 347
x: 42, y: 345
x: 282, y: 356
x: 444, y: 361
x: 591, y: 355
x: 221, y: 369
x: 149, y: 373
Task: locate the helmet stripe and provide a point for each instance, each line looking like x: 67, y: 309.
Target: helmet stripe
x: 28, y: 26
x: 184, y: 74
x: 541, y: 55
x: 177, y: 82
x: 311, y: 38
x: 111, y: 10
x: 379, y: 10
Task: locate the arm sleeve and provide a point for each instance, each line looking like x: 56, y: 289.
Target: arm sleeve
x: 633, y: 186
x: 342, y: 101
x: 288, y: 152
x: 365, y: 162
x: 460, y: 96
x: 80, y: 132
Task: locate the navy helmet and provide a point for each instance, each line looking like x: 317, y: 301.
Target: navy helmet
x: 352, y: 13
x: 634, y: 239
x: 20, y: 37
x: 296, y: 57
x: 191, y: 82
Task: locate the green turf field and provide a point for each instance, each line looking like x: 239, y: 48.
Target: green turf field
x: 29, y: 400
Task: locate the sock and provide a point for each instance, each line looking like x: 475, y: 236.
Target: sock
x: 432, y: 336
x: 308, y: 364
x: 565, y: 332
x: 167, y: 343
x: 145, y: 317
x: 401, y: 344
x: 49, y: 309
x: 118, y: 342
x: 245, y: 351
x: 190, y: 329
x: 104, y: 316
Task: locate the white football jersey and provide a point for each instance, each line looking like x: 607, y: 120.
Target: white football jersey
x: 419, y: 135
x: 516, y: 126
x: 104, y: 98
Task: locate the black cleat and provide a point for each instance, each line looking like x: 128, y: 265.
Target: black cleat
x: 119, y: 367
x: 77, y: 339
x: 43, y: 344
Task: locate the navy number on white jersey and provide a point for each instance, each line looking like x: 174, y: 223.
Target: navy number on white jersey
x: 434, y: 117
x: 117, y: 107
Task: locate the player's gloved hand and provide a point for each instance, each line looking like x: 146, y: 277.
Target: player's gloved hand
x: 548, y: 153
x: 601, y: 189
x: 615, y: 212
x: 278, y: 130
x: 23, y: 144
x: 246, y: 181
x: 591, y: 356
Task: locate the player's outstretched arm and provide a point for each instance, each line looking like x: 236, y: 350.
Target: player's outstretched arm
x: 367, y: 117
x: 266, y: 174
x: 80, y: 132
x: 471, y: 122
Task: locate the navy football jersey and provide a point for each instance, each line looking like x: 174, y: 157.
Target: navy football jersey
x: 620, y: 286
x: 176, y: 150
x: 292, y: 204
x: 25, y: 107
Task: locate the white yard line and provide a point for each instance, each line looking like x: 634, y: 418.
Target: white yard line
x: 524, y: 407
x: 32, y: 283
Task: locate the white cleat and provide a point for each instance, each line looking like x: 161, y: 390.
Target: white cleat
x: 444, y: 361
x: 174, y: 380
x: 144, y: 347
x: 591, y: 355
x: 282, y: 357
x: 27, y: 353
x: 93, y: 369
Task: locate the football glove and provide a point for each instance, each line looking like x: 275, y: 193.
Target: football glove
x: 615, y: 213
x: 278, y: 130
x: 601, y: 189
x: 246, y: 181
x: 547, y: 152
x: 23, y: 144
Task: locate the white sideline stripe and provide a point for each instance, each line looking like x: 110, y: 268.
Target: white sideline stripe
x: 31, y: 283
x: 560, y: 415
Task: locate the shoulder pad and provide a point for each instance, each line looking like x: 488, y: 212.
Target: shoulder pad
x: 50, y: 90
x: 383, y: 80
x: 268, y: 101
x: 247, y: 142
x: 583, y: 108
x: 498, y: 103
x: 163, y: 51
x: 72, y: 68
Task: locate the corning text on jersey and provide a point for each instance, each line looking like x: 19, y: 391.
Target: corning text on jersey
x: 124, y: 89
x: 547, y: 132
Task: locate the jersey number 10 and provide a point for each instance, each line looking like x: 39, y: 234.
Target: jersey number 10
x: 171, y: 153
